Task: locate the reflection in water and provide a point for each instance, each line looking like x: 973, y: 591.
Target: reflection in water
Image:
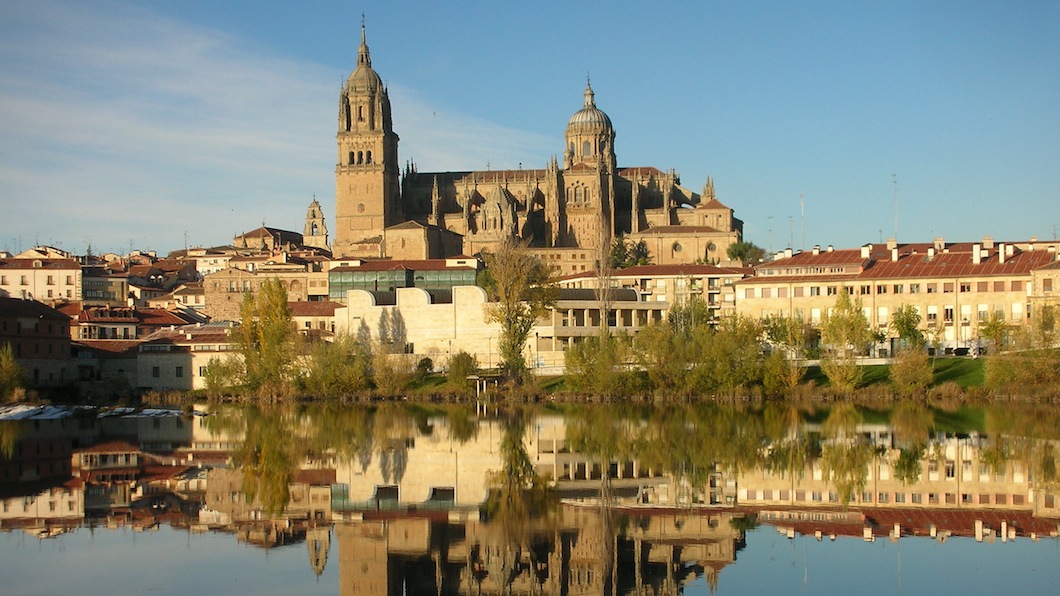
x: 594, y: 500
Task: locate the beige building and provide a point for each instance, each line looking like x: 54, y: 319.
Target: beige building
x: 304, y: 280
x: 439, y: 323
x: 176, y: 359
x: 44, y: 279
x: 956, y: 287
x: 580, y: 202
x: 672, y: 284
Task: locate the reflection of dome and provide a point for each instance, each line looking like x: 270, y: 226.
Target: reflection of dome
x: 589, y: 117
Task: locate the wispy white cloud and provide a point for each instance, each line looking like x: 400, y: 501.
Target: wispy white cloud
x: 120, y: 125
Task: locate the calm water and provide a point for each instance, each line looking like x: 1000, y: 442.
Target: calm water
x: 691, y: 500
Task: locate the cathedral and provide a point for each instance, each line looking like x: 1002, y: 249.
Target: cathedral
x: 568, y: 212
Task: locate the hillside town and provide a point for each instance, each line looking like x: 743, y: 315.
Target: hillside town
x: 408, y: 255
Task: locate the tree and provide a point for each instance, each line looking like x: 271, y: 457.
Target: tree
x: 745, y: 252
x: 626, y: 253
x: 461, y: 366
x: 339, y: 367
x: 266, y: 339
x: 995, y: 329
x: 845, y: 334
x: 11, y: 373
x: 521, y: 289
x: 906, y: 323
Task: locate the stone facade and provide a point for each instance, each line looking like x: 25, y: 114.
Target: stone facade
x: 581, y: 202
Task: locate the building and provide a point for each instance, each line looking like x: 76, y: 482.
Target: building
x: 579, y: 202
x: 956, y: 287
x: 40, y: 278
x: 672, y: 284
x: 389, y: 275
x: 439, y: 323
x: 176, y: 359
x: 304, y: 279
x: 39, y: 337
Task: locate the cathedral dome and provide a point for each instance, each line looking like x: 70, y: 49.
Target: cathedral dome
x: 589, y: 117
x: 363, y: 77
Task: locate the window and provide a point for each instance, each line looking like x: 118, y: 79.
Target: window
x: 156, y: 372
x: 202, y: 371
x: 881, y: 289
x: 899, y: 288
x: 966, y: 287
x: 948, y: 314
x: 833, y: 290
x: 916, y: 498
x: 815, y: 291
x: 865, y: 290
x: 982, y: 286
x: 947, y: 287
x: 932, y: 288
x: 179, y: 372
x: 1017, y: 286
x: 1047, y: 284
x: 999, y: 286
x: 51, y: 281
x: 914, y: 288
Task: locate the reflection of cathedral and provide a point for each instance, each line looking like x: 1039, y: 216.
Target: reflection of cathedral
x: 579, y: 203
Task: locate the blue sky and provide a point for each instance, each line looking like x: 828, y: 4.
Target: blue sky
x: 142, y: 123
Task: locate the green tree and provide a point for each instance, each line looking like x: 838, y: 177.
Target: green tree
x: 995, y: 329
x: 461, y: 366
x: 665, y: 355
x: 906, y: 323
x: 845, y: 334
x: 338, y: 368
x: 521, y: 289
x: 11, y: 372
x: 596, y: 365
x: 626, y: 253
x: 266, y: 339
x: 745, y: 252
x: 911, y: 372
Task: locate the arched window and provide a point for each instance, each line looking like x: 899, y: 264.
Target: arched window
x: 360, y: 157
x: 579, y: 194
x: 360, y: 113
x: 587, y: 148
x: 350, y: 162
x: 368, y: 157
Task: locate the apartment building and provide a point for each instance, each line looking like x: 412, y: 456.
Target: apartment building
x: 956, y: 287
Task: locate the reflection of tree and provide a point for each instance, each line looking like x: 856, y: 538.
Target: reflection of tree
x: 912, y: 423
x: 268, y: 457
x: 845, y: 455
x: 519, y: 500
x: 10, y: 431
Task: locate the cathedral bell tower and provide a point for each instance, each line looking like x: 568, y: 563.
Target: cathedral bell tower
x: 367, y: 191
x: 589, y: 177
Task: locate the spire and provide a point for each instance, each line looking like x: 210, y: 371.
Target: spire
x: 363, y: 59
x: 589, y: 102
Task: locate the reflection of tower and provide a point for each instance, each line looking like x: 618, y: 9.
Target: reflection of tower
x: 316, y: 229
x: 318, y: 541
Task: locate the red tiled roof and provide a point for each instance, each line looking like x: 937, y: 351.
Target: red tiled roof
x: 712, y: 204
x: 640, y: 171
x: 116, y: 446
x: 395, y: 265
x: 660, y: 230
x: 313, y: 309
x: 110, y: 348
x: 156, y: 317
x: 16, y: 307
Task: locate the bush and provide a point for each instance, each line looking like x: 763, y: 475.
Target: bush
x: 461, y: 366
x: 911, y: 372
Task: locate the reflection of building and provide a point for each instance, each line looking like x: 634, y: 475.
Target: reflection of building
x: 582, y: 552
x: 569, y: 209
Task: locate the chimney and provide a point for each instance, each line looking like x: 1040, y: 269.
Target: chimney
x: 1001, y: 249
x: 816, y: 249
x: 939, y: 243
x: 1010, y: 249
x: 894, y: 254
x: 787, y: 252
x: 977, y: 254
x: 988, y: 242
x: 931, y: 253
x: 830, y: 249
x: 892, y: 244
x: 866, y: 250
